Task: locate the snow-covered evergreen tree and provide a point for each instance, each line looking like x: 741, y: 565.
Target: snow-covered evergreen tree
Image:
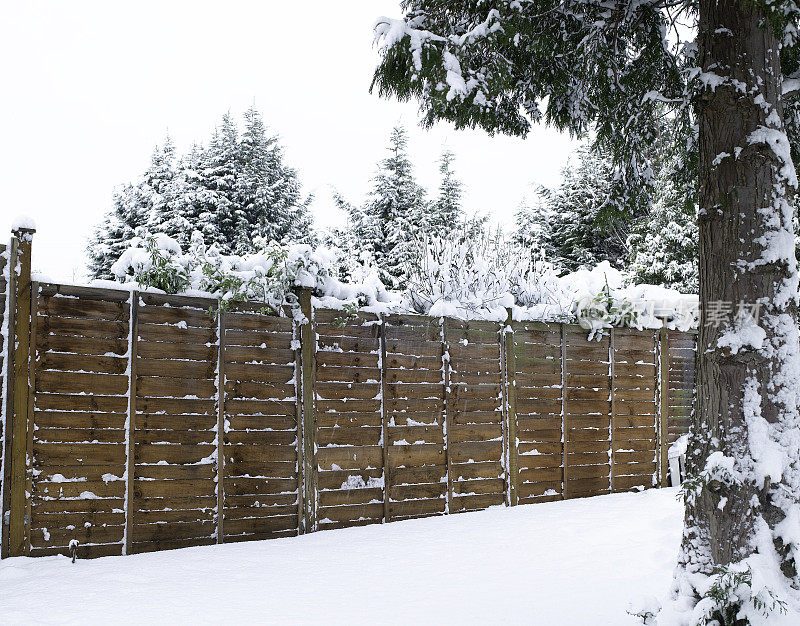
x: 268, y: 191
x: 533, y: 226
x: 446, y: 212
x: 136, y: 207
x: 215, y: 187
x: 394, y: 217
x: 176, y: 217
x: 568, y: 222
x: 663, y: 245
x: 237, y: 192
x: 113, y: 235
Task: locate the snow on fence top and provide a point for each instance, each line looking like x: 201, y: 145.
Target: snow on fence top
x: 448, y: 279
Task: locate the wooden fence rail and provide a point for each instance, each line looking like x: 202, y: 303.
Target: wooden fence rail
x: 142, y: 421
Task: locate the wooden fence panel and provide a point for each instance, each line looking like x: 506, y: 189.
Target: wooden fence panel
x: 402, y: 416
x: 587, y: 414
x: 349, y: 421
x: 416, y: 476
x: 475, y: 406
x: 681, y: 382
x: 175, y: 445
x: 4, y: 325
x: 538, y: 383
x: 634, y: 420
x: 79, y: 419
x: 261, y: 477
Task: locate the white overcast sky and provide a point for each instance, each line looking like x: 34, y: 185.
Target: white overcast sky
x: 89, y: 88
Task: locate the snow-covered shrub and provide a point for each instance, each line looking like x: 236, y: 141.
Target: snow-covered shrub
x: 603, y: 310
x: 483, y: 273
x: 734, y: 598
x: 470, y: 275
x: 646, y: 609
x: 268, y: 276
x: 154, y: 261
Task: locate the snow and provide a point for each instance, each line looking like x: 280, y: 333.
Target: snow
x: 679, y: 448
x: 777, y: 140
x: 746, y: 334
x: 582, y: 561
x: 467, y: 280
x: 23, y: 222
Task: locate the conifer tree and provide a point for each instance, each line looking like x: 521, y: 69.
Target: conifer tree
x: 394, y: 216
x: 215, y: 191
x: 446, y: 211
x: 663, y: 244
x: 177, y: 217
x: 532, y: 227
x: 236, y: 192
x: 568, y: 222
x: 137, y: 208
x: 268, y: 191
x: 112, y: 236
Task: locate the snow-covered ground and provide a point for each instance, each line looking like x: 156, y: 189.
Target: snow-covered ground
x: 571, y: 562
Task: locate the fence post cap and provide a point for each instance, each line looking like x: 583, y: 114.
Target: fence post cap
x: 24, y: 233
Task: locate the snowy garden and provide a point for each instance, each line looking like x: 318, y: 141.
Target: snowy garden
x: 614, y: 554
x: 590, y: 414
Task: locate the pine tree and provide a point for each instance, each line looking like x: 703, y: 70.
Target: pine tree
x: 176, y: 216
x: 137, y: 208
x: 235, y: 192
x: 533, y: 227
x: 112, y: 236
x: 268, y: 191
x: 617, y: 67
x: 219, y: 210
x: 446, y: 211
x: 193, y: 199
x: 663, y: 245
x: 567, y: 221
x: 388, y: 226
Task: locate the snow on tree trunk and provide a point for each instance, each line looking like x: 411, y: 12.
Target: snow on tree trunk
x: 744, y: 463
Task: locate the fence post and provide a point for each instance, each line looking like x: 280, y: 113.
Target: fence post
x: 19, y: 349
x: 448, y: 410
x: 297, y: 347
x: 130, y: 435
x: 220, y: 425
x: 34, y: 304
x: 564, y: 431
x: 664, y: 397
x: 5, y: 318
x: 307, y: 347
x: 509, y: 370
x: 384, y: 415
x: 611, y: 441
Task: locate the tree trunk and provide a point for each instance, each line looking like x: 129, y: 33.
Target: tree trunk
x: 746, y: 403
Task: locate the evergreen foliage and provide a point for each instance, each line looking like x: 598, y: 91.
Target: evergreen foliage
x: 663, y: 245
x: 446, y: 211
x: 237, y: 192
x: 395, y: 215
x: 566, y: 225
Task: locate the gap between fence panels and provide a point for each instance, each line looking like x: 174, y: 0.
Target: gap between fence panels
x: 139, y: 421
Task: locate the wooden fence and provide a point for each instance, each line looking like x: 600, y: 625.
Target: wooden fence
x: 140, y: 421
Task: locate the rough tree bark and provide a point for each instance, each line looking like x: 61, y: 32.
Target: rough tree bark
x: 746, y: 403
